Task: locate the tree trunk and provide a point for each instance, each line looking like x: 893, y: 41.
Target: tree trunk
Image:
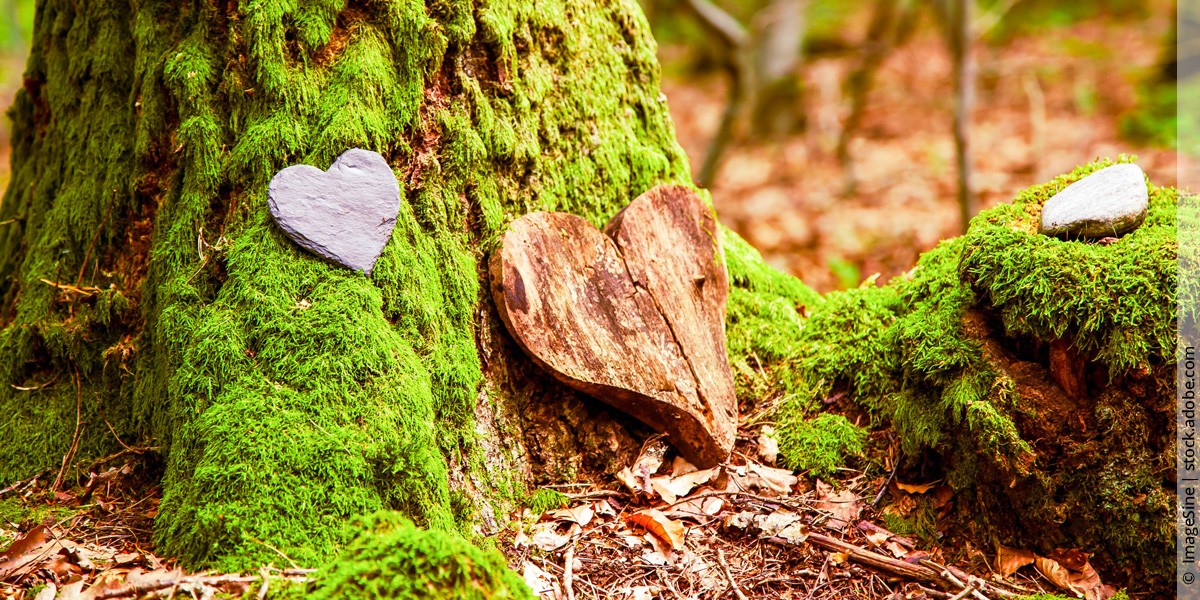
x: 149, y: 298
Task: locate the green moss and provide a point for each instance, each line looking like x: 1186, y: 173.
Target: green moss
x: 819, y: 445
x: 1114, y: 302
x: 545, y: 499
x: 289, y: 395
x: 394, y: 559
x: 937, y: 353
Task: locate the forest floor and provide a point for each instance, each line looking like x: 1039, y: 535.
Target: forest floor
x: 1047, y: 102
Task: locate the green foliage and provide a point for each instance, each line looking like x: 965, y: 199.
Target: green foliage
x: 545, y: 499
x: 394, y: 559
x: 819, y: 445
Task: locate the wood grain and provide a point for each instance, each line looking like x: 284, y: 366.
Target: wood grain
x: 635, y: 318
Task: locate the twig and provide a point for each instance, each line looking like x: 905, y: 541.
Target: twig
x: 967, y: 591
x: 87, y: 255
x: 127, y: 451
x: 74, y: 438
x: 737, y: 591
x: 568, y: 575
x: 886, y: 485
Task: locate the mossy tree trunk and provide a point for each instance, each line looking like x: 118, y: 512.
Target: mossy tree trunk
x: 147, y: 297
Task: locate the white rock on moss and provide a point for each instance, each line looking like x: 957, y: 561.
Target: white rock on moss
x: 1110, y: 202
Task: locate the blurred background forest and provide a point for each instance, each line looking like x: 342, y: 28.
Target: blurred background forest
x: 837, y: 155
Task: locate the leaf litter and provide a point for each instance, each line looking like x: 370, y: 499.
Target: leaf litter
x: 661, y: 528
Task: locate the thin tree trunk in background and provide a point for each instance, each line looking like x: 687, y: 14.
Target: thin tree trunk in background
x: 778, y: 106
x: 964, y: 99
x: 859, y: 84
x: 734, y: 37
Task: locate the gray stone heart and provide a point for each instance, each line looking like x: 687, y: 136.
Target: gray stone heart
x: 344, y: 215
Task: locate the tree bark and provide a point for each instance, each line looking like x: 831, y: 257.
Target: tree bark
x: 147, y: 296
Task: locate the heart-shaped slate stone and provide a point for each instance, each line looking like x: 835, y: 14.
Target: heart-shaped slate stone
x: 344, y: 215
x: 635, y: 318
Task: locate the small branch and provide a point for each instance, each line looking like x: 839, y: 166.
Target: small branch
x: 79, y: 425
x: 720, y: 22
x: 886, y: 485
x: 568, y: 571
x: 737, y: 591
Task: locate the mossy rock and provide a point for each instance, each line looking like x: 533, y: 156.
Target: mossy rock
x: 957, y: 356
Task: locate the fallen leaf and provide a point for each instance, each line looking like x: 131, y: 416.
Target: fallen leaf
x: 942, y: 495
x: 71, y: 591
x: 637, y: 592
x: 48, y: 592
x: 1070, y: 558
x: 896, y: 549
x: 877, y: 538
x: 654, y: 521
x: 626, y: 477
x: 741, y: 520
x: 540, y: 582
x: 1008, y: 560
x: 771, y: 479
x: 33, y: 538
x: 671, y: 489
x: 546, y: 536
x: 581, y: 515
x: 681, y: 466
x: 127, y: 558
x: 917, y: 488
x: 1054, y: 572
x: 842, y: 507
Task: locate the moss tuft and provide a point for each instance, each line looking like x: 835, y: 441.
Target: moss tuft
x: 545, y: 499
x: 819, y: 445
x: 392, y: 558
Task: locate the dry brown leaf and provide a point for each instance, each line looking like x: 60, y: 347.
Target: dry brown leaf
x: 877, y: 538
x: 1054, y: 572
x: 1087, y: 580
x: 843, y: 508
x: 897, y: 550
x: 681, y: 466
x: 1071, y: 558
x: 71, y: 591
x: 22, y: 545
x: 1008, y: 560
x: 917, y: 488
x: 546, y: 536
x: 669, y: 531
x: 771, y: 479
x: 670, y: 489
x: 626, y: 477
x: 48, y: 592
x: 541, y: 583
x: 582, y: 514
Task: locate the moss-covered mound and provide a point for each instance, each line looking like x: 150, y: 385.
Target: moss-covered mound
x: 392, y: 558
x: 1038, y: 373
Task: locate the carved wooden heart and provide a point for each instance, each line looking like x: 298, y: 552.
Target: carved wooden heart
x: 635, y: 318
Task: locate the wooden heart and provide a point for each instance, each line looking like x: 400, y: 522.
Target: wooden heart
x: 344, y: 215
x: 635, y: 318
